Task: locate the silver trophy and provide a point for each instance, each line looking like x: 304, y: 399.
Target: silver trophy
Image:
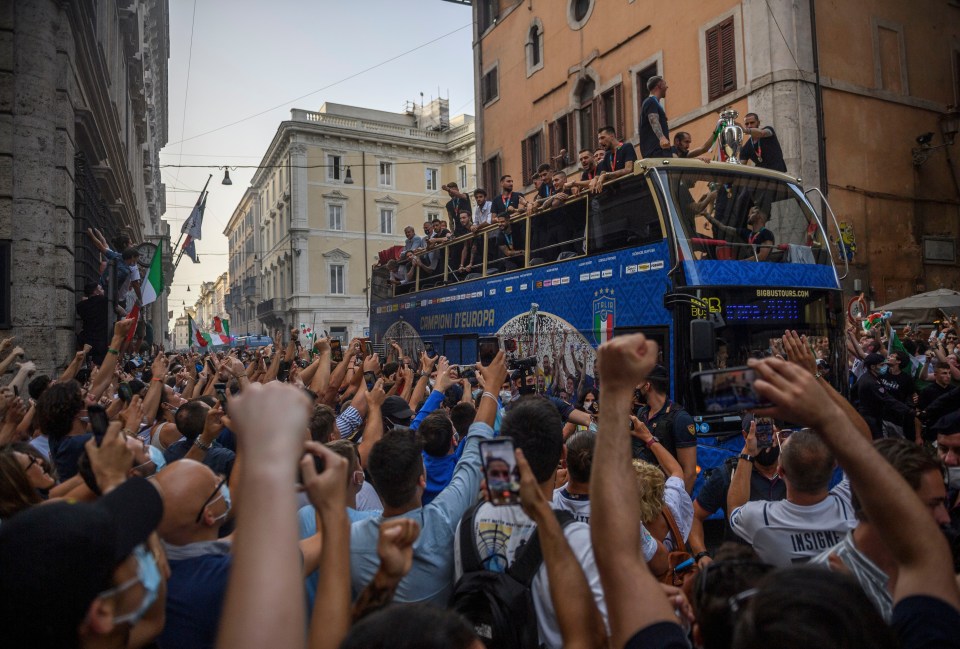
x: 731, y: 134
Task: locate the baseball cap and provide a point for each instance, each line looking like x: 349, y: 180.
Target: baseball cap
x: 874, y: 359
x: 55, y: 559
x: 947, y: 425
x: 396, y: 408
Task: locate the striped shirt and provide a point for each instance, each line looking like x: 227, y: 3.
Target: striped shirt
x: 871, y: 578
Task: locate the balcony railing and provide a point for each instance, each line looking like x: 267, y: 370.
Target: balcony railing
x: 273, y: 305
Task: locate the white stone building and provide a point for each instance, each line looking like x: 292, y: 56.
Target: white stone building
x: 335, y: 187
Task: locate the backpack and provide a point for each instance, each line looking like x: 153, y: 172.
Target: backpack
x: 499, y: 605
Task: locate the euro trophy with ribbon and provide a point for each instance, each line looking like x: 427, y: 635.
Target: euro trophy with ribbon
x: 730, y: 135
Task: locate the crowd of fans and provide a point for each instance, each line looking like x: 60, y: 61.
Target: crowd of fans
x: 279, y: 497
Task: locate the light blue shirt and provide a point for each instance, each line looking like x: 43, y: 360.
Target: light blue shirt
x: 432, y: 576
x: 308, y: 527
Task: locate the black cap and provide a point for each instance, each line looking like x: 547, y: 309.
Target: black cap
x: 874, y: 359
x: 947, y: 425
x: 396, y: 408
x: 55, y: 559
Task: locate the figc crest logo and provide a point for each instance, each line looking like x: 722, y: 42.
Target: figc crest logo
x: 604, y: 313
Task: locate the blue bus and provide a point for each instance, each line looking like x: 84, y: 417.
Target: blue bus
x: 662, y: 251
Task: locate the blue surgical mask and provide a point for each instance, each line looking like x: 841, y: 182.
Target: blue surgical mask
x: 505, y: 396
x: 884, y: 369
x: 476, y: 393
x: 156, y: 456
x: 148, y: 575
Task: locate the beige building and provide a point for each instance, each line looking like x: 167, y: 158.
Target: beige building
x: 181, y: 333
x: 848, y: 86
x: 83, y: 116
x: 336, y: 186
x: 243, y: 236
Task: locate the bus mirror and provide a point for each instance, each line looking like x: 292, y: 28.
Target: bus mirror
x: 702, y: 340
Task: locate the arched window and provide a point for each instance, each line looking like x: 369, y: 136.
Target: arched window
x: 534, y: 47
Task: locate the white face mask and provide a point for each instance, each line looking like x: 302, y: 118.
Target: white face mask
x: 953, y: 477
x: 505, y: 395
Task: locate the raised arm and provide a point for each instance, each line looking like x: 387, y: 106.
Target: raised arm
x: 321, y: 378
x: 373, y: 430
x: 75, y: 364
x: 739, y: 492
x: 901, y: 519
x: 158, y: 372
x: 105, y: 374
x: 265, y: 574
x: 581, y: 625
x: 666, y: 461
x: 633, y: 596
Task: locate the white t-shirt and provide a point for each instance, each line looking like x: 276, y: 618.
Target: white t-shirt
x: 368, y: 499
x: 783, y: 533
x: 579, y: 506
x: 676, y: 498
x: 501, y: 531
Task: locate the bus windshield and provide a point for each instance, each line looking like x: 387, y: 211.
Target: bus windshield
x: 727, y: 215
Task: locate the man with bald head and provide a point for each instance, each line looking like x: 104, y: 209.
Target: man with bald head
x: 196, y: 505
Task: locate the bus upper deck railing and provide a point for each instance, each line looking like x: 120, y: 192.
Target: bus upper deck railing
x: 625, y: 214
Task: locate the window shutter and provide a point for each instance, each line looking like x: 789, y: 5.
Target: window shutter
x: 571, y: 143
x: 553, y: 132
x: 618, y: 107
x: 714, y: 81
x: 524, y: 163
x: 728, y: 56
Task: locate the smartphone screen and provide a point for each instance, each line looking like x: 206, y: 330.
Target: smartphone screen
x: 726, y: 391
x: 764, y: 432
x: 199, y: 367
x: 221, y: 391
x: 367, y: 348
x: 428, y: 349
x: 336, y: 351
x: 125, y: 392
x: 487, y: 349
x: 98, y: 421
x: 500, y: 471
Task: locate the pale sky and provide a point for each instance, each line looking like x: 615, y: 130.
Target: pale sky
x: 251, y: 55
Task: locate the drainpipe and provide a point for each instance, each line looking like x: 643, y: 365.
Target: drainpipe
x: 818, y: 98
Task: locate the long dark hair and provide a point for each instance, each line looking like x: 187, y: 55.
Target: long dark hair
x: 16, y: 492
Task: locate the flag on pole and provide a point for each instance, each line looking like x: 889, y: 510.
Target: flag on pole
x: 189, y: 248
x: 196, y: 335
x: 193, y: 224
x: 153, y: 286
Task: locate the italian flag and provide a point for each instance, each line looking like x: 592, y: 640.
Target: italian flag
x: 603, y: 327
x: 153, y: 286
x: 221, y: 331
x: 197, y: 336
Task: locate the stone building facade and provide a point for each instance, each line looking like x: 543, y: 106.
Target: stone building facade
x: 848, y: 86
x: 83, y: 116
x: 336, y: 186
x: 243, y: 236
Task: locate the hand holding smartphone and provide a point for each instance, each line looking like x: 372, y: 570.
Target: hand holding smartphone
x: 500, y: 471
x: 98, y: 421
x: 726, y: 391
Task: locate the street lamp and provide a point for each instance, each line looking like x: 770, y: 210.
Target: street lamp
x: 348, y: 179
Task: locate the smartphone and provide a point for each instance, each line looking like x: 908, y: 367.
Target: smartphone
x: 125, y: 392
x: 336, y: 350
x: 487, y: 349
x: 98, y: 421
x: 221, y: 391
x: 428, y: 349
x: 199, y: 367
x: 500, y: 471
x: 510, y: 345
x: 726, y: 391
x: 367, y: 347
x: 764, y: 432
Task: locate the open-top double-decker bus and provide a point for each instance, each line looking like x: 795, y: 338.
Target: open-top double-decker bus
x: 639, y: 256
